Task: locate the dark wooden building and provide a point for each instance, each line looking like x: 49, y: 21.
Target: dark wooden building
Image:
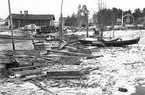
x: 82, y: 21
x: 20, y: 20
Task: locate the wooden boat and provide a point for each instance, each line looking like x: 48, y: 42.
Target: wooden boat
x: 91, y: 42
x: 121, y: 42
x: 103, y: 43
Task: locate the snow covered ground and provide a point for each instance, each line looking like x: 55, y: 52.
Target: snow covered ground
x: 120, y: 67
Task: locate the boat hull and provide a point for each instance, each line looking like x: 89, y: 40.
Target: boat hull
x: 116, y: 43
x: 121, y: 42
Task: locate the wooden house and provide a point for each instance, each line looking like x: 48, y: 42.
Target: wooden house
x: 20, y: 20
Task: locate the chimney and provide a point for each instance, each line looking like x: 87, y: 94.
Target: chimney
x: 25, y: 12
x: 21, y: 12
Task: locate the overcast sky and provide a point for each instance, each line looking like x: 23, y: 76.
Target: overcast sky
x: 69, y: 6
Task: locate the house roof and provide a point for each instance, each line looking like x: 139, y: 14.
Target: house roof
x: 128, y: 15
x: 32, y: 17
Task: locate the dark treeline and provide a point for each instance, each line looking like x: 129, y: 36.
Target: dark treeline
x: 109, y: 16
x: 74, y: 19
x: 71, y: 20
x: 106, y: 16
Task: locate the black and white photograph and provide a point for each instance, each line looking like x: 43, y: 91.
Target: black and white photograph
x: 72, y: 47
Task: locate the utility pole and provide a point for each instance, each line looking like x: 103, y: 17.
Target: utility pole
x: 11, y: 24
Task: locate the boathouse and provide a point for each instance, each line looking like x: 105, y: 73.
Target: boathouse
x: 128, y: 19
x: 20, y: 20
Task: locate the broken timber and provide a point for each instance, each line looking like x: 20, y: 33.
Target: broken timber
x: 72, y: 53
x: 64, y: 74
x: 24, y: 71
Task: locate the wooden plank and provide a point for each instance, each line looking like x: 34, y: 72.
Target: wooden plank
x: 71, y: 53
x: 63, y: 77
x: 64, y: 74
x: 24, y: 71
x: 22, y: 37
x: 27, y: 78
x: 21, y: 53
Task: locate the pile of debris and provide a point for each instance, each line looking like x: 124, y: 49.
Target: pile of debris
x: 25, y: 63
x: 32, y: 65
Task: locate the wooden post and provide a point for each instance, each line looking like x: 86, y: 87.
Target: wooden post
x: 87, y: 26
x: 36, y: 22
x: 45, y: 23
x: 60, y: 33
x: 11, y: 25
x: 122, y: 18
x: 50, y: 22
x: 102, y: 24
x: 40, y: 22
x: 60, y: 25
x: 113, y: 26
x: 19, y: 23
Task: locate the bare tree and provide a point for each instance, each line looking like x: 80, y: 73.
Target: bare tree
x: 101, y: 16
